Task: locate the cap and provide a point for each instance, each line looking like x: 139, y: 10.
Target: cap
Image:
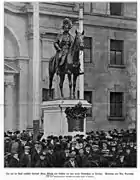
x: 96, y: 142
x: 95, y: 146
x: 50, y: 147
x: 9, y: 132
x: 7, y: 138
x: 127, y: 147
x: 27, y: 147
x: 17, y: 132
x: 104, y: 141
x: 43, y: 154
x: 63, y: 140
x: 121, y: 154
x: 14, y: 152
x: 71, y: 155
x: 113, y: 145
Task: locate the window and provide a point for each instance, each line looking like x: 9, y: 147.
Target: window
x: 87, y: 49
x: 116, y: 9
x: 88, y: 97
x: 45, y: 94
x: 116, y: 104
x: 116, y: 52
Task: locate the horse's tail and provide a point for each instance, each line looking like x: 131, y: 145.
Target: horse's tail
x: 52, y: 65
x: 52, y: 69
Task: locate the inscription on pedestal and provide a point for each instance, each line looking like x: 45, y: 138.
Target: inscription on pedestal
x: 75, y: 125
x: 79, y: 124
x: 75, y: 116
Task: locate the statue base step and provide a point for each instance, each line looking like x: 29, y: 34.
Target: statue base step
x: 55, y: 121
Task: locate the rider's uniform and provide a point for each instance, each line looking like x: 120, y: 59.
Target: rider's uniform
x: 62, y: 45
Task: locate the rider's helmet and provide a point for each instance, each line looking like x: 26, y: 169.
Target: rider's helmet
x: 67, y: 21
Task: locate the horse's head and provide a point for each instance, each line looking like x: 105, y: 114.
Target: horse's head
x: 79, y: 38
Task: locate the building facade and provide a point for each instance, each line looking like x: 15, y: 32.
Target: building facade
x: 109, y: 61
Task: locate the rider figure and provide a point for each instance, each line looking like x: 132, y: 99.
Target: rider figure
x: 63, y: 43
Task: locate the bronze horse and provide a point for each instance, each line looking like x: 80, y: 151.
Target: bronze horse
x: 70, y: 67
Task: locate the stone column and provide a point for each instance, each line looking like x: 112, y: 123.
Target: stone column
x: 22, y: 89
x: 9, y: 120
x: 36, y: 62
x: 34, y: 77
x: 81, y: 78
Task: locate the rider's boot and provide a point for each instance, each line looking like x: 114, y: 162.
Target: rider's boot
x: 80, y: 72
x: 57, y: 71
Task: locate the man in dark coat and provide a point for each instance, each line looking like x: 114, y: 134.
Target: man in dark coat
x: 95, y: 160
x: 14, y: 145
x: 71, y: 163
x: 14, y: 161
x: 134, y: 156
x: 120, y: 160
x: 42, y: 162
x: 58, y: 155
x: 22, y: 144
x: 82, y: 159
x: 35, y: 153
x: 50, y: 157
x: 128, y: 157
x: 88, y: 150
x: 7, y: 143
x: 25, y: 158
x: 65, y: 155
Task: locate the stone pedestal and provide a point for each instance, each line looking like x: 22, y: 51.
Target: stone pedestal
x: 55, y: 121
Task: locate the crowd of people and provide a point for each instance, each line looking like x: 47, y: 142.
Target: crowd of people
x: 114, y: 148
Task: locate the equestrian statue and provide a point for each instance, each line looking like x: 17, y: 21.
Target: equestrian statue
x: 66, y: 59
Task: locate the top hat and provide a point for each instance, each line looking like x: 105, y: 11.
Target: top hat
x: 88, y: 146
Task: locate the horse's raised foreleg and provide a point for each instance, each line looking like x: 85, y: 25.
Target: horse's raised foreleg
x: 74, y: 85
x: 70, y: 84
x: 62, y: 78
